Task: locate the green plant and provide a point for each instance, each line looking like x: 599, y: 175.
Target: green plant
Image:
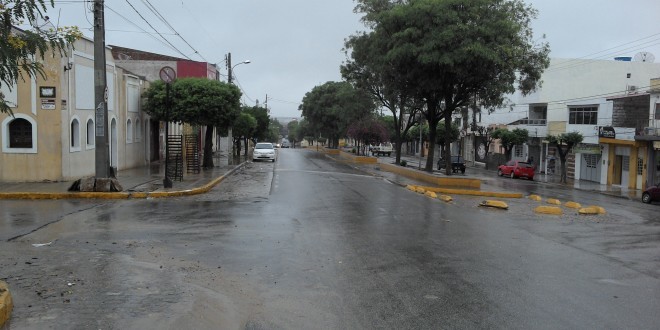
x: 403, y: 163
x: 353, y: 150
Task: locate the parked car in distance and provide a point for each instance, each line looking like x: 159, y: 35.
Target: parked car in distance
x: 517, y: 169
x: 263, y: 150
x: 651, y: 194
x: 457, y: 164
x: 286, y: 143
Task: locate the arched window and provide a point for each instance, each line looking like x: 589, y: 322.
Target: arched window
x: 75, y: 135
x: 20, y: 133
x: 129, y: 131
x: 90, y: 133
x: 138, y: 130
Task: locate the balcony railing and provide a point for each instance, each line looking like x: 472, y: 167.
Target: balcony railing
x: 532, y: 122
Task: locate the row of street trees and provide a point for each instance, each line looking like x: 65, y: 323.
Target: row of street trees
x: 438, y: 56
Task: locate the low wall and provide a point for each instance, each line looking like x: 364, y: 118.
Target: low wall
x: 426, y: 177
x: 358, y: 159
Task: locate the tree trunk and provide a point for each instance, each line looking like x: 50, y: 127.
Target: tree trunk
x: 208, y: 148
x: 245, y: 141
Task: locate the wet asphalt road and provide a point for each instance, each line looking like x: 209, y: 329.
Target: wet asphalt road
x: 310, y: 243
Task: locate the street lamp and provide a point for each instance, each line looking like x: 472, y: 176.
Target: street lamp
x: 230, y: 68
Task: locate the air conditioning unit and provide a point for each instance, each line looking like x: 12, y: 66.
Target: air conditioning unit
x: 632, y: 89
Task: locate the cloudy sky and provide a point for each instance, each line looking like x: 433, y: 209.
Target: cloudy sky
x: 294, y: 45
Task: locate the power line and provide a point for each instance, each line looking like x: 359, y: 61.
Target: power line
x: 153, y: 28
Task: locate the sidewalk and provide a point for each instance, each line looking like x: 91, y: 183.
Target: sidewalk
x: 490, y: 176
x: 140, y: 182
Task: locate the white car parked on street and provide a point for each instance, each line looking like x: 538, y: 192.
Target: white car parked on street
x: 263, y: 150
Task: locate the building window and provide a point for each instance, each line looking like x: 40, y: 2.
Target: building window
x: 640, y: 166
x: 138, y: 130
x: 583, y: 115
x: 129, y: 131
x: 91, y: 140
x: 518, y: 151
x: 20, y: 133
x: 75, y: 135
x: 657, y: 111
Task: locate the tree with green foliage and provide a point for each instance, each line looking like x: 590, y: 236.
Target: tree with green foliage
x: 274, y: 129
x: 367, y: 69
x: 261, y: 132
x: 243, y: 128
x: 198, y: 102
x: 292, y: 127
x: 20, y: 50
x: 509, y: 139
x: 443, y: 138
x: 564, y: 143
x: 452, y: 53
x: 331, y: 107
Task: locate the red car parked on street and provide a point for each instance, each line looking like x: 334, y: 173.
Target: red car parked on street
x: 517, y: 169
x: 651, y: 194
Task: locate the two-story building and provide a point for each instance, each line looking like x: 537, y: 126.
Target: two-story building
x: 578, y: 95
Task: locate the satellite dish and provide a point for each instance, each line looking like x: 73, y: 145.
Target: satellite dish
x: 644, y: 57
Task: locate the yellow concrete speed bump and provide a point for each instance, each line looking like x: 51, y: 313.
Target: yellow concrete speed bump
x: 431, y: 194
x: 411, y: 187
x: 573, y: 205
x: 554, y: 210
x: 445, y: 198
x: 495, y: 204
x: 6, y: 304
x: 420, y: 190
x: 553, y: 201
x: 535, y: 198
x: 600, y: 209
x: 588, y: 211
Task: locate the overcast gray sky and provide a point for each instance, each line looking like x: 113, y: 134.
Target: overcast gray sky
x: 295, y: 45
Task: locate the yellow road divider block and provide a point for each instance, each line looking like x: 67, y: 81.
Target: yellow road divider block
x: 431, y: 194
x: 411, y: 187
x: 599, y: 208
x: 420, y: 190
x: 495, y: 204
x: 6, y: 304
x: 588, y: 211
x: 554, y: 210
x: 445, y: 198
x: 535, y: 198
x: 572, y: 205
x: 553, y: 201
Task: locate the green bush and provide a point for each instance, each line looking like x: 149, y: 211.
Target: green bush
x: 403, y: 163
x: 353, y: 150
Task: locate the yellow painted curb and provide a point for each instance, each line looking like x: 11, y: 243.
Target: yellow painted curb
x: 454, y: 191
x: 496, y: 204
x: 431, y: 194
x: 599, y: 208
x: 535, y: 198
x: 553, y: 201
x: 572, y: 205
x: 420, y: 190
x: 445, y: 198
x: 554, y: 210
x: 426, y: 177
x: 411, y: 188
x: 6, y: 303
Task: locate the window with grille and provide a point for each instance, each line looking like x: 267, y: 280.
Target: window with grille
x: 20, y: 133
x: 518, y: 151
x: 583, y: 115
x: 640, y: 165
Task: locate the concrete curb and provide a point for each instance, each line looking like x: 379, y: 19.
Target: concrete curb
x: 120, y: 195
x: 454, y: 191
x: 6, y: 304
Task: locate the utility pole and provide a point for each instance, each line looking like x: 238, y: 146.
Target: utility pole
x: 229, y: 67
x: 100, y: 94
x: 266, y: 104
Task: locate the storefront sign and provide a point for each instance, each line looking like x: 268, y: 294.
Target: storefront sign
x: 583, y: 148
x: 606, y: 132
